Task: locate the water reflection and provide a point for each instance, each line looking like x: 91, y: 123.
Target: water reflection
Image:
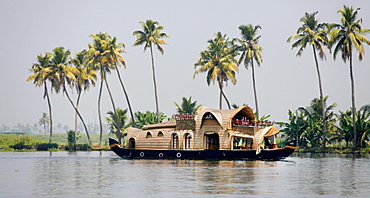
x: 95, y: 174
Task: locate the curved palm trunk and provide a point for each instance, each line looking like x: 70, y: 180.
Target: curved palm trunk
x: 227, y: 101
x: 79, y: 115
x: 126, y: 95
x: 353, y: 102
x: 114, y: 107
x: 50, y: 114
x: 255, y: 91
x: 155, y: 85
x: 220, y: 86
x: 99, y: 113
x: 321, y: 97
x: 77, y: 103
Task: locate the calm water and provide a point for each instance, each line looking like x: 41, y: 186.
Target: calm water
x: 103, y: 174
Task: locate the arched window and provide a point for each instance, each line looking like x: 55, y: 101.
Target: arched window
x: 188, y: 139
x: 175, y: 141
x: 160, y: 134
x: 148, y: 135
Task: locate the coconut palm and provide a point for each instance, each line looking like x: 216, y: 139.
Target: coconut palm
x: 314, y: 34
x: 144, y: 118
x: 149, y: 36
x: 294, y: 127
x: 114, y: 53
x: 218, y: 60
x: 61, y: 73
x: 346, y: 37
x: 86, y: 77
x: 187, y: 106
x: 99, y: 60
x: 313, y: 117
x: 39, y: 79
x: 250, y: 52
x: 118, y: 128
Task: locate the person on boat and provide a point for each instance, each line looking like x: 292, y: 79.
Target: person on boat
x: 268, y: 145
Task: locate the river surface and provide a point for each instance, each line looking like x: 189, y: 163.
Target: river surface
x: 103, y: 174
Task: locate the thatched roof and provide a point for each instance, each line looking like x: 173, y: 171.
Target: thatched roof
x: 224, y: 116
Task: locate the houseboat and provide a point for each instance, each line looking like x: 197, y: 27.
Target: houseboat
x: 231, y: 134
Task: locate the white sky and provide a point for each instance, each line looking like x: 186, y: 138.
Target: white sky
x: 284, y: 81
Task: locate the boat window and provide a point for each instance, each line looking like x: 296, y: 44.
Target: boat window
x: 188, y: 139
x: 160, y: 134
x: 242, y: 143
x: 175, y: 141
x: 148, y: 135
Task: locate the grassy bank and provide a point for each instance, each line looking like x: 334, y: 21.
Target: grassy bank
x: 338, y: 150
x: 40, y: 142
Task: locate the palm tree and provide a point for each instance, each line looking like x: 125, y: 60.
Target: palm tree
x: 61, y: 72
x: 84, y: 79
x: 149, y: 36
x: 313, y: 116
x: 99, y: 60
x: 187, y: 106
x: 148, y: 118
x: 218, y: 60
x: 250, y: 50
x: 314, y: 34
x: 39, y: 79
x: 114, y: 52
x: 345, y: 36
x: 44, y: 120
x: 295, y: 127
x: 345, y: 129
x: 118, y: 128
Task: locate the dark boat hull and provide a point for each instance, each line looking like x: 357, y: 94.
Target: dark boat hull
x: 265, y: 154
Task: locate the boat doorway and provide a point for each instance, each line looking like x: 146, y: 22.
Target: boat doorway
x: 132, y: 143
x: 211, y: 141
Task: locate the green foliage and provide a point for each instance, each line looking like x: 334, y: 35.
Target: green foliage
x: 345, y: 127
x: 148, y: 118
x: 118, y: 123
x: 72, y: 138
x: 219, y: 62
x: 305, y: 124
x: 187, y: 106
x: 46, y: 146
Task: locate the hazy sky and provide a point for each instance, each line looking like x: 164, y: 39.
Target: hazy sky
x: 284, y: 81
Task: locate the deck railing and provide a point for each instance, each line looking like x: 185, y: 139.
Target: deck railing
x: 252, y: 123
x: 183, y: 116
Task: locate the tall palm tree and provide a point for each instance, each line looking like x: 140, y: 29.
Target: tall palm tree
x: 218, y: 60
x: 345, y: 37
x: 250, y: 52
x: 187, y: 106
x: 149, y: 36
x: 314, y: 34
x: 114, y: 52
x: 84, y: 79
x: 99, y: 60
x: 39, y: 79
x: 61, y: 73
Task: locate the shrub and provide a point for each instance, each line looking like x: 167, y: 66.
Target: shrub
x: 46, y: 146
